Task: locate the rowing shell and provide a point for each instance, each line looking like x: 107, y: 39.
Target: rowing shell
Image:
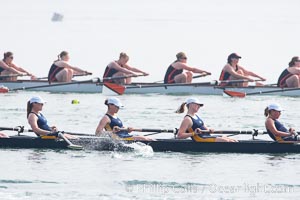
x: 147, y: 88
x: 173, y: 145
x: 45, y: 86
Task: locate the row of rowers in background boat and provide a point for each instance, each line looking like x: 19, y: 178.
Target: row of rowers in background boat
x: 177, y: 72
x: 192, y: 126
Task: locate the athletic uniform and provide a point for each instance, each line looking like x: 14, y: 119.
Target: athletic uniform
x: 1, y: 70
x: 226, y: 76
x: 109, y: 72
x: 116, y: 122
x: 283, y: 77
x: 204, y: 137
x: 54, y: 69
x: 42, y: 122
x: 280, y: 127
x: 171, y: 73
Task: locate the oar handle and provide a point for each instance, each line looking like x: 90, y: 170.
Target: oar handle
x: 202, y: 75
x: 150, y: 130
x: 242, y: 132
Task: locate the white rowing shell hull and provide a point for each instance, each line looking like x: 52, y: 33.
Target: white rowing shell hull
x: 144, y: 89
x: 78, y: 88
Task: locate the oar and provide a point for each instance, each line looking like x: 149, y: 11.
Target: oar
x: 70, y: 144
x: 11, y: 75
x: 155, y: 131
x: 197, y: 76
x: 246, y: 132
x: 120, y: 89
x: 21, y: 129
x: 85, y: 74
x: 150, y: 130
x: 94, y: 80
x: 243, y: 94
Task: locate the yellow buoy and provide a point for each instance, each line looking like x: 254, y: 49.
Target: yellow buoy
x: 75, y: 101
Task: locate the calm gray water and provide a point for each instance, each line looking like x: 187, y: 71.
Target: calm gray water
x: 143, y: 174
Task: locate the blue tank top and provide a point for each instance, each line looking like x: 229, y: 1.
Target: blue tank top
x: 197, y: 123
x: 116, y: 122
x: 42, y: 122
x: 280, y: 127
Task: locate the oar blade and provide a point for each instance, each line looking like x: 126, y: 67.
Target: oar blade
x: 3, y: 89
x: 75, y: 147
x: 234, y: 93
x: 119, y: 89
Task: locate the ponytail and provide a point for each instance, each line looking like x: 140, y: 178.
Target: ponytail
x: 181, y: 108
x: 59, y: 56
x: 29, y: 108
x: 266, y: 112
x: 106, y: 102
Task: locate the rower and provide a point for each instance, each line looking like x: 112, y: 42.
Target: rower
x: 290, y: 76
x: 120, y: 68
x: 193, y: 126
x: 180, y: 72
x: 62, y: 71
x: 276, y: 130
x: 233, y: 71
x: 38, y: 122
x: 7, y: 67
x: 110, y: 122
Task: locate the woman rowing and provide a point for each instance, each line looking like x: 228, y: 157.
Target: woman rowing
x: 180, y: 72
x: 37, y: 121
x: 62, y: 71
x: 193, y: 126
x: 120, y: 68
x: 290, y: 77
x: 233, y: 71
x: 111, y: 122
x: 276, y: 130
x: 9, y: 69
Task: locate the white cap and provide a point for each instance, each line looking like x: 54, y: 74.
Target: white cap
x: 115, y: 101
x: 37, y: 99
x: 275, y: 106
x: 194, y: 100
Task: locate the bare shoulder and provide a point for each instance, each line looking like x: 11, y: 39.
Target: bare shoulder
x: 179, y: 65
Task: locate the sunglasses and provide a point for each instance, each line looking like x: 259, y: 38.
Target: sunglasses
x: 11, y: 57
x: 184, y: 58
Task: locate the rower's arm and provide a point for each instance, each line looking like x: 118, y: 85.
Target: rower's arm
x: 100, y: 128
x: 271, y: 127
x: 193, y: 69
x: 11, y: 69
x: 136, y: 70
x: 182, y: 131
x: 249, y: 73
x: 32, y: 120
x: 21, y: 69
x: 235, y: 74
